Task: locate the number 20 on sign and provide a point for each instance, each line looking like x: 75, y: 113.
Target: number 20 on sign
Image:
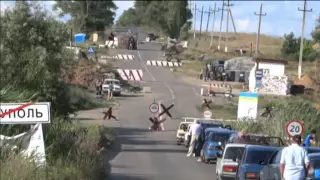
x: 295, y: 127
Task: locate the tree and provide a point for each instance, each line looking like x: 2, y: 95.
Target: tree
x: 129, y: 18
x: 32, y: 55
x: 169, y: 16
x: 290, y: 45
x: 291, y: 48
x: 88, y: 16
x: 316, y: 32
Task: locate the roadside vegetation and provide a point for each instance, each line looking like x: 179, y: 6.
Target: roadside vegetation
x: 33, y: 63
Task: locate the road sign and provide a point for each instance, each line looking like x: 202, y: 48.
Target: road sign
x: 25, y: 113
x: 207, y: 114
x: 154, y: 108
x: 294, y: 127
x: 91, y: 49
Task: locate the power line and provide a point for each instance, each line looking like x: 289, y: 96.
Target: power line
x: 208, y: 20
x: 214, y: 17
x: 201, y: 21
x: 260, y: 14
x: 304, y: 10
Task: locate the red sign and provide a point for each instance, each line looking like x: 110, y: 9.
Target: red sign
x: 294, y: 127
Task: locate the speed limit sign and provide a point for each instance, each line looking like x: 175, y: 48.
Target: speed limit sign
x: 294, y: 127
x: 154, y: 108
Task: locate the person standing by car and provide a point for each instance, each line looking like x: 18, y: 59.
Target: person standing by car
x: 110, y: 91
x: 311, y: 139
x: 294, y: 161
x: 194, y: 131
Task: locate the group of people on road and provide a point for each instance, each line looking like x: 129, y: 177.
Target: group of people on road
x: 99, y: 90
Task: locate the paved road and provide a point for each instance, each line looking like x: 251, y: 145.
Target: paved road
x: 140, y: 154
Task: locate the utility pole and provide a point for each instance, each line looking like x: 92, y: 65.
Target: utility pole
x: 304, y: 10
x: 208, y: 20
x: 219, y: 42
x: 214, y: 17
x: 260, y: 14
x: 195, y: 20
x: 201, y: 22
x: 227, y: 25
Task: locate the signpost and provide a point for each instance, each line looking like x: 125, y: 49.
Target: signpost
x: 207, y: 114
x: 295, y: 127
x: 28, y: 113
x: 154, y: 108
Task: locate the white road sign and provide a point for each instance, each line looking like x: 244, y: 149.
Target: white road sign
x: 24, y: 113
x: 154, y: 108
x: 294, y: 127
x: 207, y: 114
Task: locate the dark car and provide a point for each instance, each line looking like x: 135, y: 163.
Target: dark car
x: 314, y: 172
x: 254, y: 159
x: 214, y: 140
x: 272, y: 169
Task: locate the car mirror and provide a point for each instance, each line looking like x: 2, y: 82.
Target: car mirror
x: 262, y: 162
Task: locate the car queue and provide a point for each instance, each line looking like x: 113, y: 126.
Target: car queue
x: 240, y: 156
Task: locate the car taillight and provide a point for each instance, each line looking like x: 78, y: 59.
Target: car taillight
x: 252, y: 175
x: 229, y: 168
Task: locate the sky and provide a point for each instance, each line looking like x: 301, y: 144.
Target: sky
x: 282, y: 16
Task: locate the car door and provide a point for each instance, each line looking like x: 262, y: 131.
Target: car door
x: 240, y: 172
x: 265, y: 173
x: 274, y: 170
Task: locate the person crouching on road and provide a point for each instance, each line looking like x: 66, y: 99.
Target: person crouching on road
x: 311, y: 139
x: 294, y: 161
x: 194, y: 130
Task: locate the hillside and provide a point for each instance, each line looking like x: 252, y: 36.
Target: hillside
x: 269, y: 45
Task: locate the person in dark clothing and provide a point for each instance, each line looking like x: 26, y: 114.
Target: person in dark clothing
x: 199, y: 143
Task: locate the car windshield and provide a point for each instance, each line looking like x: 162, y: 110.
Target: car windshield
x: 219, y: 137
x: 257, y: 156
x: 211, y: 125
x: 234, y: 153
x: 313, y: 150
x: 112, y: 82
x: 316, y: 163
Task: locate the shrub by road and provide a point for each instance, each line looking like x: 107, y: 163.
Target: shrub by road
x: 32, y: 61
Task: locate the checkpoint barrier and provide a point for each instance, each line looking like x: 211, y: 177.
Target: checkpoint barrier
x: 108, y: 114
x: 157, y: 120
x: 214, y: 89
x: 206, y: 103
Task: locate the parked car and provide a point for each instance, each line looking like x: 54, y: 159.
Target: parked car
x: 204, y: 125
x: 181, y: 131
x: 227, y: 163
x: 116, y: 86
x: 272, y: 169
x: 314, y: 172
x: 214, y: 139
x: 254, y: 159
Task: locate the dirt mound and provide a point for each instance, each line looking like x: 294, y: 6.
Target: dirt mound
x: 305, y: 80
x: 84, y: 74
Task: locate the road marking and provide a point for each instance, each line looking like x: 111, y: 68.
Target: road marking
x: 145, y: 67
x: 171, y: 91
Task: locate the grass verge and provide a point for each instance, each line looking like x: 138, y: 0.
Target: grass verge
x: 82, y: 161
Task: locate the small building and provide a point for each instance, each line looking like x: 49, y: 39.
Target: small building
x: 268, y: 76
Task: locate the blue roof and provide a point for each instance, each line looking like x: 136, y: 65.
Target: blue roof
x: 221, y: 130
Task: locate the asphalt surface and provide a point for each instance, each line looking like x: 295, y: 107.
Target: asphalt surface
x: 140, y: 154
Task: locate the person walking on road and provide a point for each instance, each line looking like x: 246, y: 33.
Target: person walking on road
x: 195, y: 131
x: 311, y: 139
x: 294, y: 161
